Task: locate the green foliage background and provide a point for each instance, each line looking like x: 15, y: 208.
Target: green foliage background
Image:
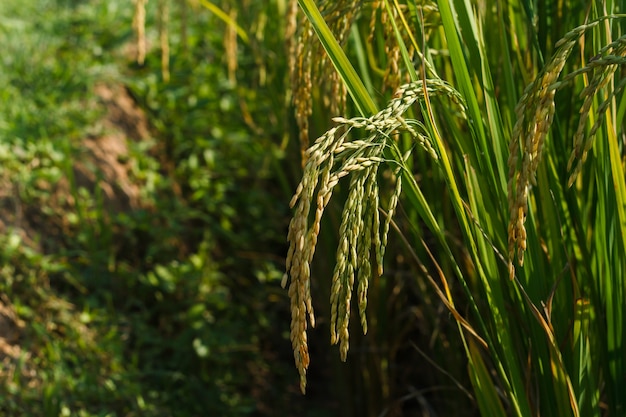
x: 173, y: 307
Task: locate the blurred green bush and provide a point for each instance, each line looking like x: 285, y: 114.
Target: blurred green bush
x: 168, y: 304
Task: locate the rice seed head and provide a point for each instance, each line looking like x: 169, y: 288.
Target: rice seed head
x: 291, y: 26
x: 309, y: 65
x: 393, y: 202
x: 139, y: 25
x: 392, y: 77
x: 298, y: 333
x: 535, y: 112
x: 365, y: 247
x: 377, y: 7
x: 603, y: 69
x: 164, y: 39
x: 230, y: 48
x: 332, y: 157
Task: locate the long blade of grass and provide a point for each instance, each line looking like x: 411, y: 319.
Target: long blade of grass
x: 563, y: 385
x: 482, y: 153
x: 488, y: 399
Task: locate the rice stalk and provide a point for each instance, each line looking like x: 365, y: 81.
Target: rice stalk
x: 309, y: 65
x: 610, y: 57
x: 535, y: 112
x: 534, y: 358
x: 334, y: 156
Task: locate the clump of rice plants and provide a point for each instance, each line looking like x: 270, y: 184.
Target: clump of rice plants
x: 532, y: 226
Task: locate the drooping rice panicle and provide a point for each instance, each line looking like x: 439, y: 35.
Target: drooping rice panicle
x: 534, y: 111
x: 332, y: 157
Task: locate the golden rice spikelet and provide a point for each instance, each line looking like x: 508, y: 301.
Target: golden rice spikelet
x: 298, y: 332
x: 309, y: 64
x: 371, y: 223
x: 302, y: 89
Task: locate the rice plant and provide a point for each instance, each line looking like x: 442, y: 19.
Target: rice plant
x: 516, y: 111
